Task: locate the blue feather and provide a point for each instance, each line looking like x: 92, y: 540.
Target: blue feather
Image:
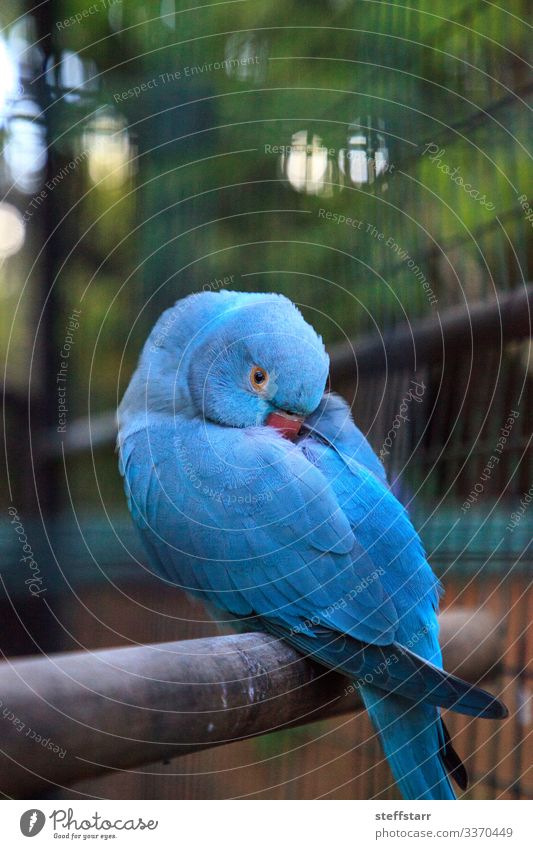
x: 412, y: 741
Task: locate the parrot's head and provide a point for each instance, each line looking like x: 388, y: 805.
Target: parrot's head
x: 258, y: 362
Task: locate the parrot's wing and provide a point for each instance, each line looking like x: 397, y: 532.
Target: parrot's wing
x: 250, y: 524
x: 333, y: 424
x: 395, y: 669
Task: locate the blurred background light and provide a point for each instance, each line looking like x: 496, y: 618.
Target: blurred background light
x: 26, y: 52
x: 9, y: 78
x: 12, y: 230
x: 246, y: 55
x: 111, y: 155
x: 167, y: 13
x: 366, y: 156
x: 25, y: 148
x: 307, y: 165
x: 71, y: 77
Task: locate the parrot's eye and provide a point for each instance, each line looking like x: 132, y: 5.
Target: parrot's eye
x: 258, y: 378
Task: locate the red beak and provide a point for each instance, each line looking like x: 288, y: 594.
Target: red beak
x: 289, y: 425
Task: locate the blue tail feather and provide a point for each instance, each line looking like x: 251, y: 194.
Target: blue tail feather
x: 412, y: 738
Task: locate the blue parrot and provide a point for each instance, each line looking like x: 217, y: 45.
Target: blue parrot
x: 254, y: 490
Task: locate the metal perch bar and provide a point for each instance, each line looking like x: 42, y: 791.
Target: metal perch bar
x: 429, y: 340
x: 76, y: 715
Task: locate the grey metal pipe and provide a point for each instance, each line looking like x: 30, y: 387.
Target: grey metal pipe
x: 429, y: 340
